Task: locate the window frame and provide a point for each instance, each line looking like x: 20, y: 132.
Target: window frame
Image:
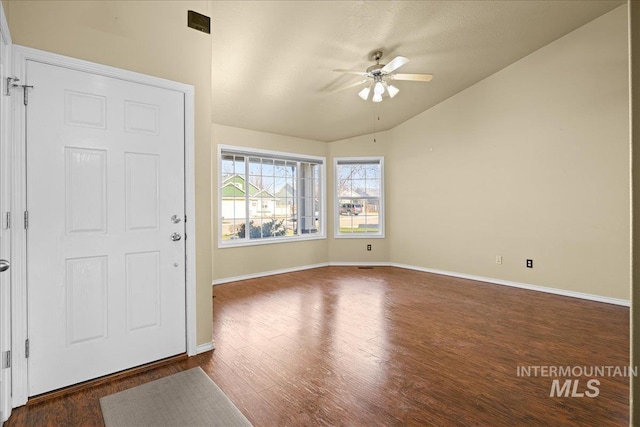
x: 279, y: 155
x: 336, y: 200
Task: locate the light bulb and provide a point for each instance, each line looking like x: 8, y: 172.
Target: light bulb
x: 393, y: 91
x: 377, y: 97
x: 364, y: 93
x: 378, y: 89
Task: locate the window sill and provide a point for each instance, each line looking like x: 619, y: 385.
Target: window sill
x: 358, y: 236
x: 228, y: 244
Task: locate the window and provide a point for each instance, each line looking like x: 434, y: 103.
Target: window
x: 359, y: 197
x: 267, y: 196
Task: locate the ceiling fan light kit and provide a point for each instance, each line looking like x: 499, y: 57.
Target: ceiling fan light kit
x: 378, y: 74
x: 391, y: 89
x: 364, y: 93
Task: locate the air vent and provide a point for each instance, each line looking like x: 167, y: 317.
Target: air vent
x: 199, y: 22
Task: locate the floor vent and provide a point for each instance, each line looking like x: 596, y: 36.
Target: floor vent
x: 365, y: 268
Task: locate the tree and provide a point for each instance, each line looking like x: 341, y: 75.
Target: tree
x: 273, y: 228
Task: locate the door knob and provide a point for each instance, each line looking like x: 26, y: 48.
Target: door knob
x: 175, y: 219
x: 176, y: 236
x: 4, y: 265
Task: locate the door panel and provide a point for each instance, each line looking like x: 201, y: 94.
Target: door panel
x: 86, y: 304
x: 85, y: 190
x: 142, y: 188
x: 105, y: 174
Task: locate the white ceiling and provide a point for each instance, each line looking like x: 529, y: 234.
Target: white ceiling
x: 273, y: 60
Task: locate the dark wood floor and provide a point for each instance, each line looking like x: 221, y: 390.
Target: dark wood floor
x: 386, y: 346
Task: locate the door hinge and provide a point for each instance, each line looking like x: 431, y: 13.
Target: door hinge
x: 26, y: 348
x: 6, y: 359
x: 11, y: 84
x: 26, y: 220
x: 26, y: 94
x: 7, y: 220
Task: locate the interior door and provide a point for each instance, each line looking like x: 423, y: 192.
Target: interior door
x: 105, y: 237
x: 5, y: 283
x: 5, y: 230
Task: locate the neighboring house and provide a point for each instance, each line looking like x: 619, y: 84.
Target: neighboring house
x: 370, y: 200
x: 233, y: 189
x: 285, y: 201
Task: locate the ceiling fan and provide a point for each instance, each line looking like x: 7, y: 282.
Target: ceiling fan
x: 378, y: 75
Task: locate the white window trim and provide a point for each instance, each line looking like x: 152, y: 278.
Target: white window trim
x: 247, y: 151
x: 335, y: 213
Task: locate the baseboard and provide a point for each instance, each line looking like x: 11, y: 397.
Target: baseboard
x: 201, y: 348
x: 359, y: 264
x: 562, y: 292
x: 266, y: 273
x: 572, y: 294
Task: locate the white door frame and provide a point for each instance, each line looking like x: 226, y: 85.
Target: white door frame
x: 5, y: 194
x: 19, y: 295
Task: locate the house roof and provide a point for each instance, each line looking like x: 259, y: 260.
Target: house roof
x: 287, y: 191
x: 359, y: 193
x: 234, y: 186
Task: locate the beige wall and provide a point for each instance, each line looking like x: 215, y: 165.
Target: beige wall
x: 247, y: 260
x: 532, y: 162
x: 355, y: 250
x: 149, y: 37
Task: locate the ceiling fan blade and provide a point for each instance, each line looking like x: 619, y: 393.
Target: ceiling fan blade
x: 412, y: 77
x: 395, y: 63
x: 350, y: 85
x: 360, y: 73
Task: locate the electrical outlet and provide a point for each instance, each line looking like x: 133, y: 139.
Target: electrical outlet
x: 498, y: 259
x: 368, y: 247
x: 529, y: 263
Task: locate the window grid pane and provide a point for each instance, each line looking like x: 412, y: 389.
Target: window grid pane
x: 268, y: 197
x: 232, y: 191
x: 358, y: 197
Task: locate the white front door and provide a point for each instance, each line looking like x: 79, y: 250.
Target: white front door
x: 105, y: 200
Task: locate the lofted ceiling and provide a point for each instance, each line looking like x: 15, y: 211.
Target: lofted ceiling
x: 273, y: 60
